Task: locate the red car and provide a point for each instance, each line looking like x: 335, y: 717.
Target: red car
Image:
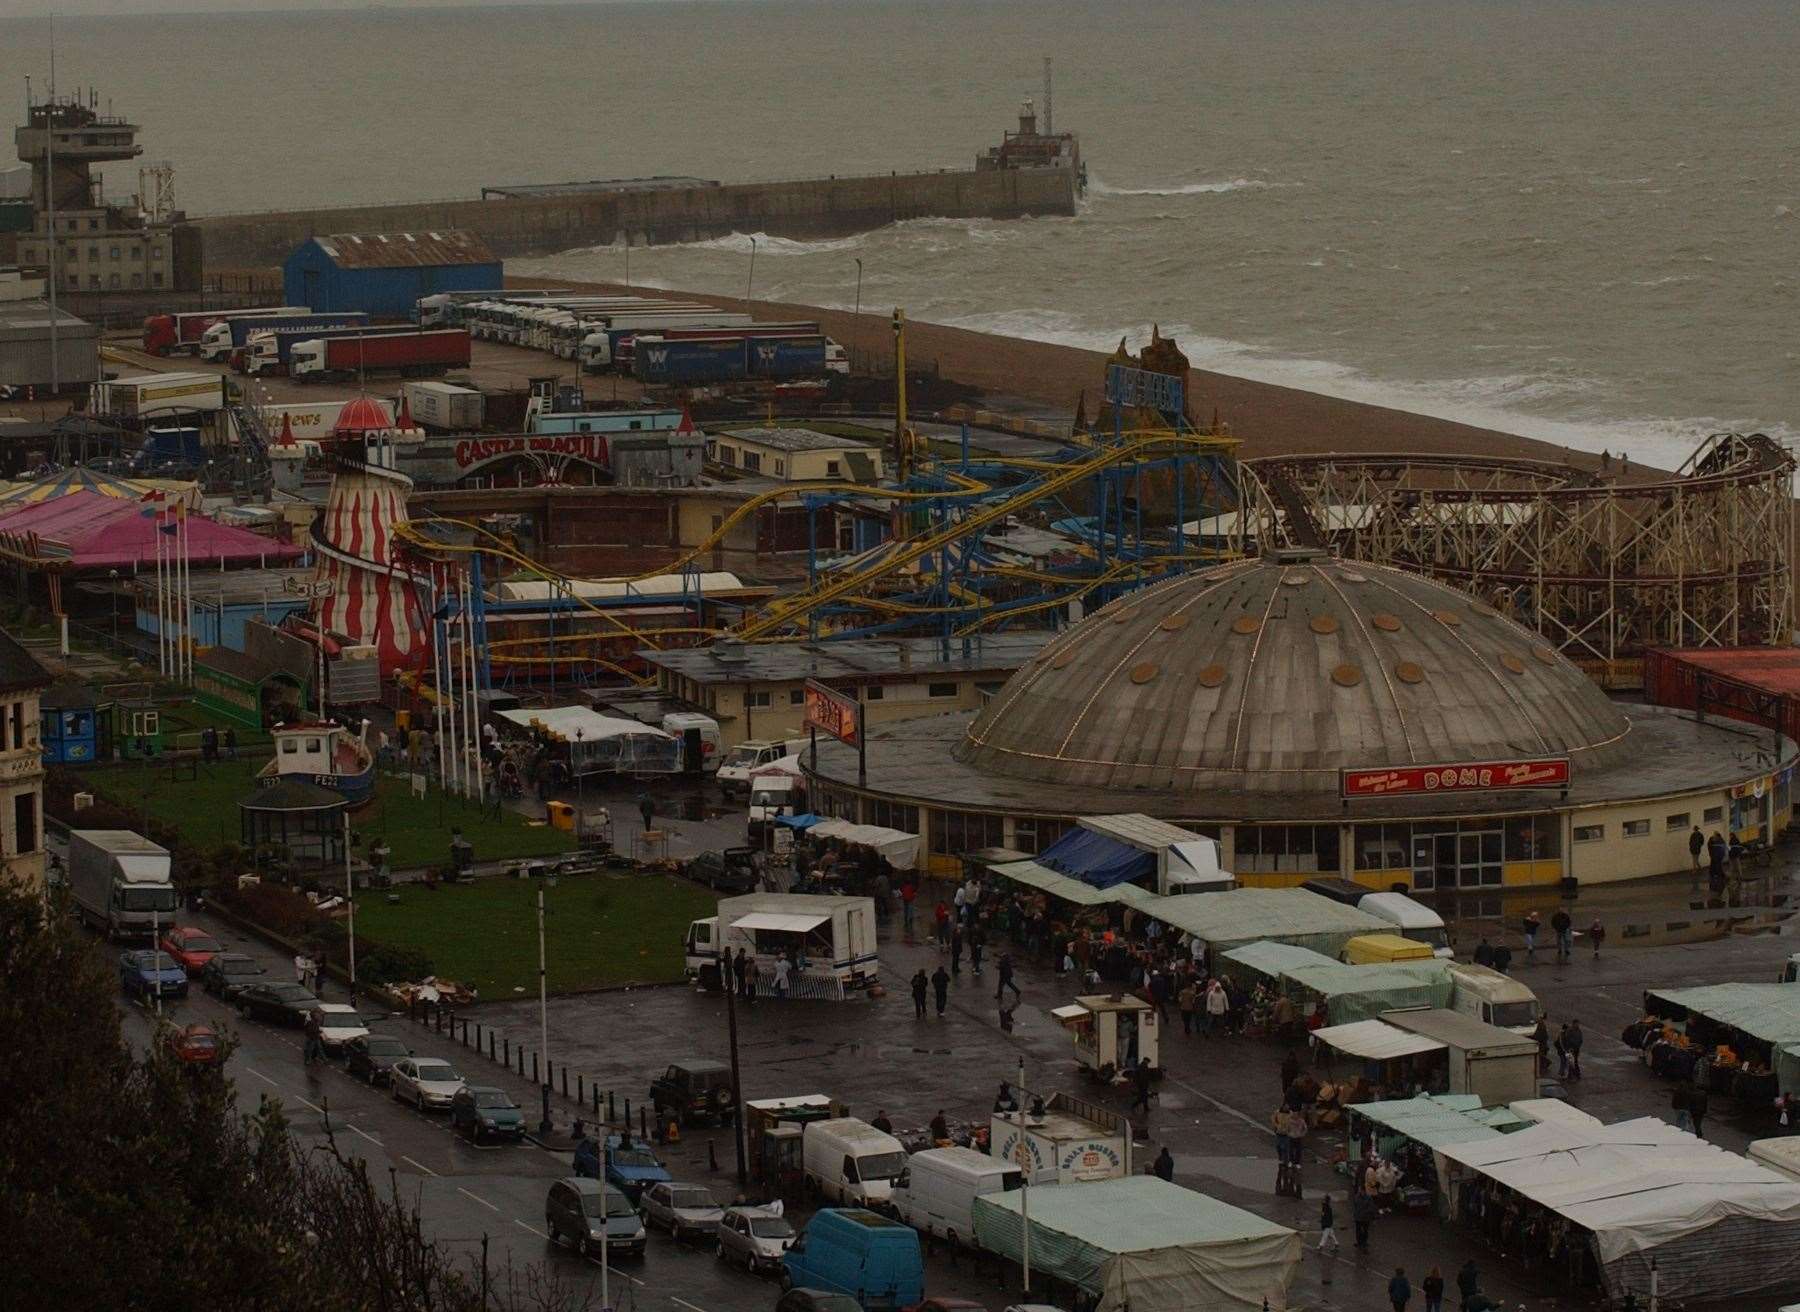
x: 194, y: 1045
x: 192, y: 948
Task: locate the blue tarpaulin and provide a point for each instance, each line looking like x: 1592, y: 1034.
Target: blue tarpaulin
x: 1097, y: 860
x: 806, y: 821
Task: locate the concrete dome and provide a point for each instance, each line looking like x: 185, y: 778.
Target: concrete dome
x: 1271, y: 675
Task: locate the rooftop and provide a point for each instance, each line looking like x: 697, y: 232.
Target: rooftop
x: 400, y: 250
x: 798, y: 439
x: 18, y: 667
x: 849, y: 659
x: 30, y: 318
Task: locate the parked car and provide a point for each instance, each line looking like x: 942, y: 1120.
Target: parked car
x: 191, y: 947
x: 632, y: 1169
x: 686, y: 1211
x: 227, y: 972
x: 425, y: 1082
x: 148, y: 972
x: 731, y: 871
x: 480, y: 1109
x: 194, y: 1045
x: 371, y: 1057
x: 278, y: 1001
x: 695, y: 1091
x: 576, y: 1209
x: 338, y: 1024
x: 816, y: 1300
x: 754, y: 1238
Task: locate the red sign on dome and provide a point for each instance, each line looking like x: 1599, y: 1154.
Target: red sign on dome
x: 1463, y: 777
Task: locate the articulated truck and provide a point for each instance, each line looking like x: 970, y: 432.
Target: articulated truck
x: 169, y: 334
x: 408, y: 353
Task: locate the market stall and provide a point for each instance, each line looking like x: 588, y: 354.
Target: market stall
x: 1240, y: 916
x: 1144, y: 1244
x: 1385, y: 1058
x: 1732, y: 1038
x: 1408, y: 1132
x: 1068, y: 889
x: 1264, y: 963
x: 601, y: 744
x: 898, y: 848
x: 1352, y: 993
x: 1599, y: 1204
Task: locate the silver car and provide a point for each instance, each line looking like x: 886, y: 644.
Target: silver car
x: 686, y: 1211
x: 754, y: 1238
x: 425, y: 1082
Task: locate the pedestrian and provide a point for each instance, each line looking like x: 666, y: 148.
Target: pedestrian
x: 315, y: 1048
x: 1217, y: 1005
x: 1296, y: 1134
x: 1164, y: 1166
x: 1432, y: 1286
x: 1484, y: 953
x: 909, y: 891
x: 647, y: 809
x: 1696, y: 845
x: 1697, y: 1101
x: 1597, y: 932
x: 940, y: 1127
x: 1784, y: 1113
x: 1362, y: 1211
x: 1717, y: 849
x: 956, y: 949
x: 300, y: 967
x: 1188, y: 1000
x: 1572, y: 1041
x: 782, y: 967
x: 919, y: 985
x: 1140, y: 1082
x: 1399, y: 1290
x: 1290, y: 1071
x: 1328, y: 1240
x: 940, y: 984
x: 882, y: 1123
x: 1678, y: 1099
x: 1468, y: 1283
x: 1565, y: 934
x: 941, y: 917
x: 230, y: 743
x: 1541, y: 1036
x: 1533, y: 923
x: 209, y: 744
x: 1562, y: 1052
x: 977, y: 941
x: 1006, y: 978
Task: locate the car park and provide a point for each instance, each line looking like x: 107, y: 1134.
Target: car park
x: 686, y: 1211
x: 694, y: 1091
x: 279, y: 1002
x: 371, y: 1058
x: 192, y: 948
x: 754, y: 1238
x: 195, y: 1045
x: 585, y: 1212
x: 481, y: 1111
x: 227, y: 972
x: 150, y: 973
x: 425, y: 1082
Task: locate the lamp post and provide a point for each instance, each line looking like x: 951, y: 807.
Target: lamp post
x: 544, y: 1023
x: 114, y: 576
x: 750, y: 280
x: 856, y: 325
x: 575, y: 769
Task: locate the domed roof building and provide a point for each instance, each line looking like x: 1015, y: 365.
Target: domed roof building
x: 1322, y: 717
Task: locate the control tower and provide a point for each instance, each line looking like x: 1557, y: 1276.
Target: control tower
x: 82, y: 139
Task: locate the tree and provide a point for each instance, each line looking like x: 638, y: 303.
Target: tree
x: 131, y: 1181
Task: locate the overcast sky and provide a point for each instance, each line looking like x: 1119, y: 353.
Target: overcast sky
x: 86, y: 8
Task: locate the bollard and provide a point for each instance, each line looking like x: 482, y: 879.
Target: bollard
x: 477, y: 1036
x: 611, y: 1110
x: 627, y: 1114
x: 490, y: 1045
x: 712, y: 1157
x: 440, y: 1020
x: 580, y: 1090
x: 465, y: 1034
x: 565, y: 1081
x: 596, y: 1102
x: 506, y: 1051
x: 534, y: 1074
x: 643, y: 1123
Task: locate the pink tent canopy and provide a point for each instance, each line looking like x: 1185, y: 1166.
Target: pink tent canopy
x: 91, y: 531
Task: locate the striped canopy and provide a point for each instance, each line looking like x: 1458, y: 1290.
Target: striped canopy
x: 61, y: 482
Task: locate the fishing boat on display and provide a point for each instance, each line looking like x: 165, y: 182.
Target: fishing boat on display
x: 325, y: 754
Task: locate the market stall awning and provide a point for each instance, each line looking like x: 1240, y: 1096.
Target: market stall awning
x: 1443, y: 1118
x: 788, y: 924
x: 1375, y: 1040
x: 1354, y: 993
x: 1770, y: 1012
x: 1096, y: 859
x: 1271, y: 960
x: 899, y: 849
x: 1288, y: 915
x: 1059, y: 885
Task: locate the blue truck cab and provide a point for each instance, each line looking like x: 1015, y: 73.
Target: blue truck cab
x: 850, y: 1250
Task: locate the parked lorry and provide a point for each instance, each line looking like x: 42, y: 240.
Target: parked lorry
x: 835, y: 359
x: 228, y: 336
x: 607, y: 343
x: 345, y: 358
x: 120, y: 882
x: 687, y: 363
x: 269, y: 350
x: 169, y: 334
x: 146, y: 396
x: 832, y: 935
x: 444, y: 407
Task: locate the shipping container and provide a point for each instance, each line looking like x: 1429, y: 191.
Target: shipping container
x: 444, y: 407
x: 1757, y: 685
x: 414, y: 353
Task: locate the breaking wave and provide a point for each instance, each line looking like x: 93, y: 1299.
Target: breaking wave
x: 1098, y: 188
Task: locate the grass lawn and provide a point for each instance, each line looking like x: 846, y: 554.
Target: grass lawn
x: 205, y: 810
x: 599, y: 930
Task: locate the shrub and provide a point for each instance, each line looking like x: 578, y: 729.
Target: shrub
x: 382, y: 964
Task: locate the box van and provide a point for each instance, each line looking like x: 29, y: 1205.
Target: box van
x: 699, y: 736
x: 1498, y: 999
x: 736, y: 767
x: 1383, y: 949
x: 1413, y: 919
x: 937, y: 1191
x: 851, y: 1162
x: 872, y: 1258
x: 1338, y: 890
x: 774, y: 794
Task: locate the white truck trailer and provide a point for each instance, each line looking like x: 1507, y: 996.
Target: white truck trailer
x: 834, y: 937
x: 120, y: 882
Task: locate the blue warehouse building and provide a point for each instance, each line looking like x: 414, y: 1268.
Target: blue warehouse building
x: 386, y: 273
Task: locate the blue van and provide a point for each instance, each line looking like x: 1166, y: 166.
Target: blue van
x: 850, y: 1250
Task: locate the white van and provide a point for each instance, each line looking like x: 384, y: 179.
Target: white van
x: 738, y: 764
x: 1410, y: 919
x: 774, y: 794
x: 680, y: 722
x: 851, y: 1163
x: 936, y: 1192
x: 1497, y: 999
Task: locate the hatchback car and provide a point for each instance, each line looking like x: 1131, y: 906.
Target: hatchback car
x: 425, y: 1082
x: 147, y: 973
x: 754, y: 1238
x: 371, y: 1057
x: 284, y: 1004
x: 581, y: 1211
x: 686, y: 1211
x: 194, y: 1045
x: 338, y: 1024
x: 227, y: 972
x: 481, y: 1110
x: 193, y: 948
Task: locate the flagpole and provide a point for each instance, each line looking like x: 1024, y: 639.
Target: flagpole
x: 187, y: 575
x: 162, y: 623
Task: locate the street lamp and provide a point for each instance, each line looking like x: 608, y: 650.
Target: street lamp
x: 856, y: 325
x: 750, y: 281
x: 575, y: 769
x: 114, y: 576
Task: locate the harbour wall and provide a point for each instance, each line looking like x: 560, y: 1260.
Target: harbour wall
x: 809, y: 209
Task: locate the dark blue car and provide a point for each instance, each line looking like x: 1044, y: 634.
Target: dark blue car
x: 142, y: 970
x: 630, y: 1170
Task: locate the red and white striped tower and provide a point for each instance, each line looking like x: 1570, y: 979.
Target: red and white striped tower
x: 373, y: 599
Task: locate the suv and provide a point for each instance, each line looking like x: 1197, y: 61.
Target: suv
x: 694, y: 1091
x: 731, y: 871
x: 577, y: 1209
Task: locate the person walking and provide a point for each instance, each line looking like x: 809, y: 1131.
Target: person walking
x: 941, y: 919
x: 1533, y: 923
x: 1565, y: 934
x: 1217, y: 1005
x: 1717, y: 849
x: 977, y: 941
x: 909, y: 892
x: 940, y: 1127
x: 1164, y: 1166
x: 1187, y: 1001
x: 1696, y: 845
x: 1006, y: 979
x: 1328, y: 1240
x: 1697, y: 1101
x: 1399, y: 1290
x: 1140, y: 1083
x: 956, y: 949
x: 1572, y: 1040
x: 647, y: 809
x: 1362, y: 1212
x: 1432, y: 1286
x: 940, y: 984
x: 301, y: 966
x: 1597, y: 932
x: 782, y: 967
x: 919, y: 985
x: 315, y: 1047
x: 1468, y: 1283
x: 1678, y: 1099
x: 750, y: 981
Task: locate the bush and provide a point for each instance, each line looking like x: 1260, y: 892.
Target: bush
x: 382, y: 964
x: 278, y: 910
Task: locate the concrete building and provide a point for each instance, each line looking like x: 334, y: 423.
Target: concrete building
x: 1320, y: 716
x: 757, y: 691
x: 385, y: 274
x: 25, y: 349
x: 22, y: 679
x: 795, y: 455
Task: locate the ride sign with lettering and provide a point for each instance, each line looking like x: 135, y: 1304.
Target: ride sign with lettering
x: 831, y: 712
x: 1464, y: 777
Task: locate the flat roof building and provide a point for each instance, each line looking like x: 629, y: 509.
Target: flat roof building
x: 25, y: 353
x: 793, y: 455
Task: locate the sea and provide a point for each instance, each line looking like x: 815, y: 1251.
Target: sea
x: 1570, y: 219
